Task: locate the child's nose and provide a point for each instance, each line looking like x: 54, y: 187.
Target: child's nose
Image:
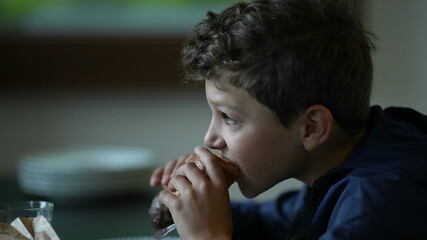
x: 213, y: 139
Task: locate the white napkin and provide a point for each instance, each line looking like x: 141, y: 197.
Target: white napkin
x: 28, y: 229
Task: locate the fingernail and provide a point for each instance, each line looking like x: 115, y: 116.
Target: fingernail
x: 197, y: 148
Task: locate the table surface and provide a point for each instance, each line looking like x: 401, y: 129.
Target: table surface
x: 120, y: 216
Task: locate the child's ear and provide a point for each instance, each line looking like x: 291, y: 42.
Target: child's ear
x: 317, y: 126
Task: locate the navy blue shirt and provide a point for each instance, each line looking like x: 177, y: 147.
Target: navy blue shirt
x: 379, y: 193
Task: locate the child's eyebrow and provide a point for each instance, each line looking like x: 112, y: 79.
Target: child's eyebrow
x: 224, y: 104
x: 218, y: 102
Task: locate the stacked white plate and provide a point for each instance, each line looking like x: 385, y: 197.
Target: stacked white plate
x: 86, y: 173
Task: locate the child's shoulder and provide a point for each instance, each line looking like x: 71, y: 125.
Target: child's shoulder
x: 378, y: 191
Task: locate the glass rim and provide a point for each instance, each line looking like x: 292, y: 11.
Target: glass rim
x: 31, y: 205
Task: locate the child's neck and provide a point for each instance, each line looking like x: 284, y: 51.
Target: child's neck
x: 331, y: 155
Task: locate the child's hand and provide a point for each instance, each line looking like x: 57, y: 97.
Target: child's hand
x: 162, y: 175
x: 201, y: 210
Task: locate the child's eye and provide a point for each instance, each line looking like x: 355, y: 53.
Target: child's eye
x: 228, y: 120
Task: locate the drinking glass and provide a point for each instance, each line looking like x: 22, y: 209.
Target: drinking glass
x: 9, y: 211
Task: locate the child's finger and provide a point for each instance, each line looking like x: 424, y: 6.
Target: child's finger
x: 170, y: 166
x: 156, y: 177
x: 181, y: 161
x: 192, y: 173
x: 179, y: 185
x: 167, y: 198
x: 212, y: 165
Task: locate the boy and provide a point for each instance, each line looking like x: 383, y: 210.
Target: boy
x: 289, y: 84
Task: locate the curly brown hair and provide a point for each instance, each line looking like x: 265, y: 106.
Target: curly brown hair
x: 289, y: 55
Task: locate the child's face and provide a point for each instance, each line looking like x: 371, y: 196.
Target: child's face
x: 252, y: 137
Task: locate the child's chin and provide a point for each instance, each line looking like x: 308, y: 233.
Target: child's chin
x: 248, y: 192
